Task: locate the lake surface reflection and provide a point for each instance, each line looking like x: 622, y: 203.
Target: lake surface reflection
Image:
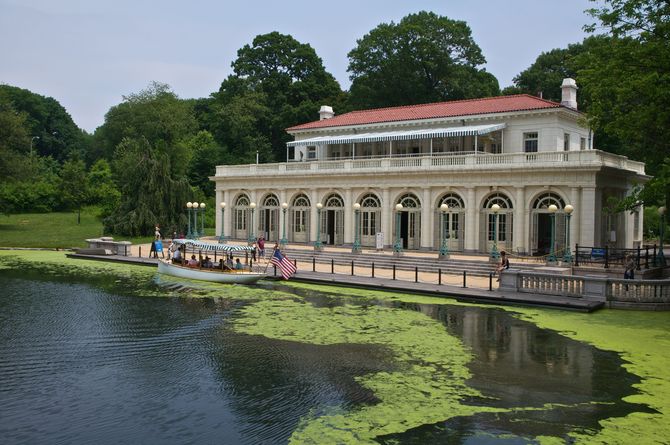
x: 112, y: 359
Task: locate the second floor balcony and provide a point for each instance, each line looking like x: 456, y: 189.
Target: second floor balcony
x: 461, y: 161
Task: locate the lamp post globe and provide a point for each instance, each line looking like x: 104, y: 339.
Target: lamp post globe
x: 356, y: 248
x: 552, y: 249
x: 202, y: 218
x: 495, y: 208
x: 317, y: 244
x: 567, y: 255
x: 252, y: 237
x: 283, y: 241
x: 444, y: 248
x: 397, y: 246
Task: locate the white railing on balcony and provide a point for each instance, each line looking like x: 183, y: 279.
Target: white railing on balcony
x: 441, y: 162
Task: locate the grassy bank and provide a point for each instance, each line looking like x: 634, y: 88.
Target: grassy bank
x: 57, y: 230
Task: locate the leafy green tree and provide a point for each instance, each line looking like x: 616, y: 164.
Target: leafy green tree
x: 102, y: 189
x: 628, y: 82
x: 278, y: 82
x: 14, y: 141
x: 59, y: 136
x: 423, y: 58
x: 73, y: 186
x: 157, y: 115
x: 150, y: 194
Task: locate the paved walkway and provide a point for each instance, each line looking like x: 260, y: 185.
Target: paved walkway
x: 479, y: 289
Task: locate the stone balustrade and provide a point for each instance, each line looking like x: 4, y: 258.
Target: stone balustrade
x: 438, y: 162
x: 107, y: 243
x: 649, y: 294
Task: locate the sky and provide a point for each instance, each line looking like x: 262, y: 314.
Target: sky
x: 88, y: 54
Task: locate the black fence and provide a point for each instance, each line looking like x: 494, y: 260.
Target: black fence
x: 645, y: 257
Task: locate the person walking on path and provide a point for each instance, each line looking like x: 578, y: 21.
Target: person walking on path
x: 629, y: 265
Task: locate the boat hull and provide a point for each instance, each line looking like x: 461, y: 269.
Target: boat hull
x: 234, y: 277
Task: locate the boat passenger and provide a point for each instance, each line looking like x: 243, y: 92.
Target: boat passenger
x: 238, y: 264
x: 192, y: 262
x: 176, y: 257
x: 207, y: 263
x: 229, y: 262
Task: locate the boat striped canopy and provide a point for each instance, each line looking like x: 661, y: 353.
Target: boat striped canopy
x: 198, y: 245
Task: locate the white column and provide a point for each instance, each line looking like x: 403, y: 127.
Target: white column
x: 426, y: 220
x: 471, y: 221
x: 520, y: 218
x: 314, y: 198
x: 228, y: 222
x: 575, y: 219
x: 587, y: 217
x: 348, y: 217
x: 387, y: 215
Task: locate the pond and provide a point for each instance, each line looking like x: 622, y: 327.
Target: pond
x: 110, y: 353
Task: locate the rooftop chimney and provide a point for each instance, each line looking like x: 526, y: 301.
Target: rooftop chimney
x: 326, y: 112
x: 569, y: 93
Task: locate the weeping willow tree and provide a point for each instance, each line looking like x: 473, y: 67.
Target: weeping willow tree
x: 151, y: 193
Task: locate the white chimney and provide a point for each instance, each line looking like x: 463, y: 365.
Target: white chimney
x: 569, y: 93
x: 326, y: 112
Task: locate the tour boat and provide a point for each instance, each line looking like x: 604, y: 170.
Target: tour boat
x: 209, y: 274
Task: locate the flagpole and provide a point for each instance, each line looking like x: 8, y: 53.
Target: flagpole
x: 268, y: 263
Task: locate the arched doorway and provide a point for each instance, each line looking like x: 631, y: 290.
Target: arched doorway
x: 496, y: 227
x: 268, y: 218
x: 454, y: 223
x: 332, y: 220
x: 410, y: 222
x: 299, y: 222
x: 540, y: 242
x: 241, y: 217
x: 370, y: 219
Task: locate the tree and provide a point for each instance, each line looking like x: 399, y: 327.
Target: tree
x: 150, y: 195
x: 278, y: 82
x: 628, y: 82
x: 101, y: 187
x: 59, y: 136
x: 73, y: 186
x: 424, y: 58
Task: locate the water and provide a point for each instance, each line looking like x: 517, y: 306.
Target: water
x: 106, y: 357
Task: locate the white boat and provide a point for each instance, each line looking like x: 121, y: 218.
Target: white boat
x: 209, y: 274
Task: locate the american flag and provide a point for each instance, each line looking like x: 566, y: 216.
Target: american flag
x: 284, y: 264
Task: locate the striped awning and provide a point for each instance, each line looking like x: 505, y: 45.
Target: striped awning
x: 474, y: 130
x: 199, y: 245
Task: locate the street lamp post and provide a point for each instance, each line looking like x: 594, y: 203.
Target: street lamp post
x: 567, y: 256
x: 317, y: 244
x: 222, y: 238
x: 202, y: 218
x: 356, y: 248
x: 283, y: 241
x: 31, y: 144
x: 189, y: 207
x: 252, y: 237
x: 495, y: 208
x: 195, y: 220
x: 661, y: 253
x: 444, y: 248
x: 552, y: 252
x: 397, y: 247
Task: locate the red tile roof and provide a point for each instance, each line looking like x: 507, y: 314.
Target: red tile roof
x: 501, y: 104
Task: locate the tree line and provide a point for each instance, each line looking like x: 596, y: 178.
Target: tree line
x: 155, y: 151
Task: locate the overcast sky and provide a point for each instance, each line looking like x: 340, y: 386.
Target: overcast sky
x: 87, y: 54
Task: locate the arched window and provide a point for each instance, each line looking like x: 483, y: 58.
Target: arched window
x: 242, y: 201
x: 452, y: 200
x: 370, y: 200
x: 241, y: 216
x: 334, y: 201
x: 271, y: 201
x: 500, y: 199
x: 409, y: 201
x: 545, y: 200
x: 301, y: 201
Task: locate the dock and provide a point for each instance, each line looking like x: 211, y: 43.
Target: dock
x: 480, y: 289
